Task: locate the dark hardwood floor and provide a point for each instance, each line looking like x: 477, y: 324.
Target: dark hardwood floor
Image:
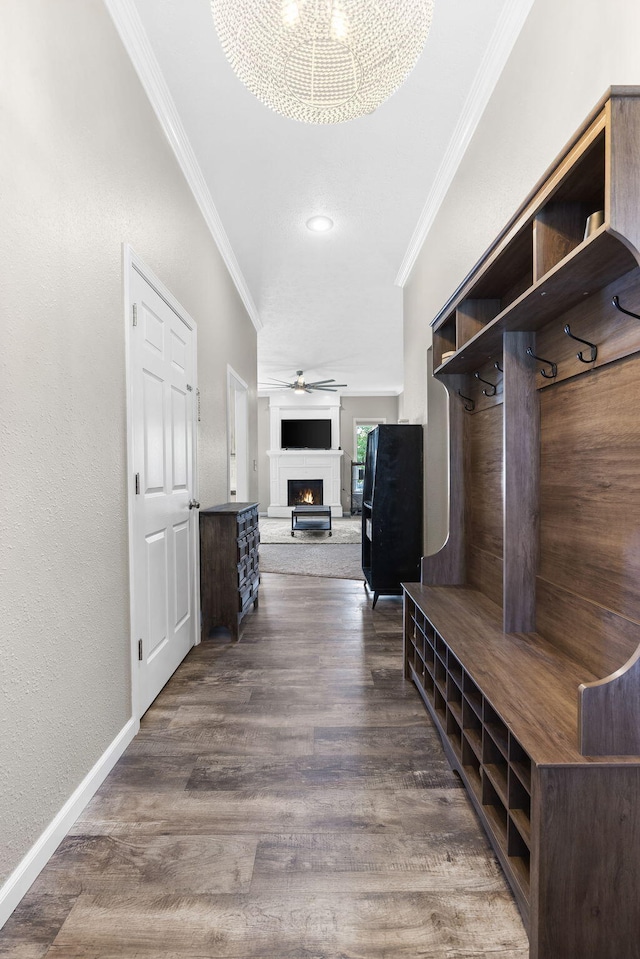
x: 286, y: 798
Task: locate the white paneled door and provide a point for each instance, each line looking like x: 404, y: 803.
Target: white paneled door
x: 164, y: 514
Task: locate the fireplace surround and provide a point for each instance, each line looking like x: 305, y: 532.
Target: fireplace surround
x: 308, y: 464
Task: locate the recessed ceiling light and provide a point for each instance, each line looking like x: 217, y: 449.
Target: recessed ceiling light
x: 319, y: 224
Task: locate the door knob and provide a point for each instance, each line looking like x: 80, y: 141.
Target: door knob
x: 194, y: 504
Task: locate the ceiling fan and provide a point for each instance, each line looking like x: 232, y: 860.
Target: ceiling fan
x: 299, y: 385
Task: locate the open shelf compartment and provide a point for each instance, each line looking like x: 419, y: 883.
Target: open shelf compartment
x: 544, y: 262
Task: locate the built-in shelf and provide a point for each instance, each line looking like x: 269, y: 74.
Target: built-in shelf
x: 542, y: 264
x: 592, y: 265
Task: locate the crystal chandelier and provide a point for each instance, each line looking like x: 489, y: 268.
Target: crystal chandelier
x: 322, y: 61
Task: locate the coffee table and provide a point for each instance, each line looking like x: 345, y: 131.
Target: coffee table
x: 311, y: 517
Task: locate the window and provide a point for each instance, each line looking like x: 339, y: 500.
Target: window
x: 362, y: 428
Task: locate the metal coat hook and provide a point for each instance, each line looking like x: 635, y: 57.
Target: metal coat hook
x: 554, y: 366
x: 494, y: 388
x: 592, y: 347
x: 467, y: 400
x: 616, y: 303
x: 497, y: 366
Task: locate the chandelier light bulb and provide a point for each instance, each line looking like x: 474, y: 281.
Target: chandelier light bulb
x: 322, y: 61
x: 290, y: 14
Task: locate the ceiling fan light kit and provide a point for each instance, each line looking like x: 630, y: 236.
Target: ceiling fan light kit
x: 322, y: 61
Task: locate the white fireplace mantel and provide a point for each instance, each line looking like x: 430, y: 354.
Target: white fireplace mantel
x: 304, y: 464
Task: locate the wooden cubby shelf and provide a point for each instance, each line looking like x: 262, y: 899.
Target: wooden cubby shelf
x: 523, y: 636
x: 542, y: 264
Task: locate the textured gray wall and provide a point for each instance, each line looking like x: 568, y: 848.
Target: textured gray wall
x: 84, y: 167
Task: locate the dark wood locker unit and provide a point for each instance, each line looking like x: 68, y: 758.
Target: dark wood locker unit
x: 392, y: 508
x: 523, y: 636
x: 229, y: 574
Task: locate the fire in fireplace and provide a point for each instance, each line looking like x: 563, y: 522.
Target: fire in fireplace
x: 304, y: 492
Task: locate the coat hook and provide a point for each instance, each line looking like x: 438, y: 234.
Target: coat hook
x: 554, y: 366
x: 616, y: 303
x: 592, y: 347
x: 494, y: 389
x: 497, y: 366
x: 467, y: 400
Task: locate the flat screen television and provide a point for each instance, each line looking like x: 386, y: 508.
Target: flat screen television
x: 305, y: 434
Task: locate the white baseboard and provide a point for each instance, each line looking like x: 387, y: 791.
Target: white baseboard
x: 28, y: 870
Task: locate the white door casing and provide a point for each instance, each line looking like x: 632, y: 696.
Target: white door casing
x: 163, y: 530
x: 238, y: 423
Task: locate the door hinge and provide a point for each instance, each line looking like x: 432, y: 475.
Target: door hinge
x: 137, y: 484
x: 135, y: 314
x: 140, y: 650
x: 198, y: 398
x: 190, y: 388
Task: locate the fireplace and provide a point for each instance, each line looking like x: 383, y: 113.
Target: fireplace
x: 304, y: 492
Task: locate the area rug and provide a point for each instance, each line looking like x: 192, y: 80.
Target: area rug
x: 342, y: 561
x: 346, y: 530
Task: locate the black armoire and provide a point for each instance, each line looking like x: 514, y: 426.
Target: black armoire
x: 392, y: 508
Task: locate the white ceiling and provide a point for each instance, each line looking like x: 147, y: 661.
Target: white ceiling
x: 328, y: 303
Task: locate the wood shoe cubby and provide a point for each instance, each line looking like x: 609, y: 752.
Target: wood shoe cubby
x: 495, y: 767
x: 565, y: 827
x: 523, y: 637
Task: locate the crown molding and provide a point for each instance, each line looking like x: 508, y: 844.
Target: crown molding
x: 493, y: 62
x: 136, y: 43
x: 372, y: 393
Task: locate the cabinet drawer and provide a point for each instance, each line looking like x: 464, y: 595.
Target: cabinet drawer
x: 245, y: 597
x: 244, y: 571
x: 244, y: 547
x: 247, y: 521
x: 247, y: 569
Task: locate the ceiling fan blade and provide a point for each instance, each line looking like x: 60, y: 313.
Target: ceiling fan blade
x: 320, y: 382
x: 332, y: 388
x: 325, y: 389
x: 283, y: 382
